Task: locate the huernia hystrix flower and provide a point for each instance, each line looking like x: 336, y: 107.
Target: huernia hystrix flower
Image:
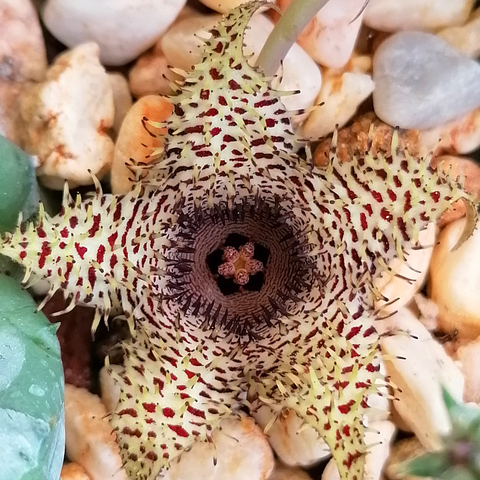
x: 246, y: 272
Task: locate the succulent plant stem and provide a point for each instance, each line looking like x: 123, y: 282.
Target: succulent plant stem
x: 286, y: 31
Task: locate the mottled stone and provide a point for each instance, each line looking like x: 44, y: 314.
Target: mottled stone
x: 67, y: 117
x: 421, y: 81
x: 354, y: 140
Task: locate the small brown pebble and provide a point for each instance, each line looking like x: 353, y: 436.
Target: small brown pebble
x: 353, y: 140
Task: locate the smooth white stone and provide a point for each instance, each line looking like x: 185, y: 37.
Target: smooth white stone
x: 380, y: 435
x: 182, y: 48
x: 393, y: 15
x: 330, y: 36
x: 469, y: 357
x: 421, y: 81
x: 296, y: 444
x: 339, y: 98
x: 240, y: 448
x: 123, y: 29
x: 419, y: 367
x: 396, y: 289
x: 67, y: 117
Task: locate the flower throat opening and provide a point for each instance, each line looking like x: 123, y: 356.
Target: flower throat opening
x: 241, y: 267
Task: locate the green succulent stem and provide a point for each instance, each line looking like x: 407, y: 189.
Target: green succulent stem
x: 285, y: 33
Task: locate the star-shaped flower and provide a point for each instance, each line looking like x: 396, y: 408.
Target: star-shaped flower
x: 304, y: 338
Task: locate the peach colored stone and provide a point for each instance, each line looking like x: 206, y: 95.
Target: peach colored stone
x: 330, y: 36
x: 74, y: 471
x: 90, y: 441
x: 22, y: 59
x: 151, y: 74
x: 22, y: 49
x: 122, y: 99
x: 465, y: 38
x: 460, y: 136
x: 455, y: 281
x: 137, y: 139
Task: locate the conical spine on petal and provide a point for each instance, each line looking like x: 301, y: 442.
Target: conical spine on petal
x: 96, y: 251
x: 230, y: 135
x: 176, y: 388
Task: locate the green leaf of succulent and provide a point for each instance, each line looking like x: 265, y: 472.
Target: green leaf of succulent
x: 18, y: 187
x: 458, y: 473
x: 465, y: 418
x: 428, y: 465
x: 31, y: 389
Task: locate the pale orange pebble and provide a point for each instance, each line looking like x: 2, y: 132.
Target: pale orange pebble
x: 137, y: 139
x: 73, y: 471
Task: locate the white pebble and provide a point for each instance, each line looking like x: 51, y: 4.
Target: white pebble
x: 421, y: 81
x: 419, y: 367
x: 67, y: 118
x: 122, y: 28
x: 339, y: 98
x: 294, y: 443
x: 393, y: 15
x: 330, y: 36
x: 241, y: 451
x: 469, y: 357
x: 393, y: 284
x: 90, y: 441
